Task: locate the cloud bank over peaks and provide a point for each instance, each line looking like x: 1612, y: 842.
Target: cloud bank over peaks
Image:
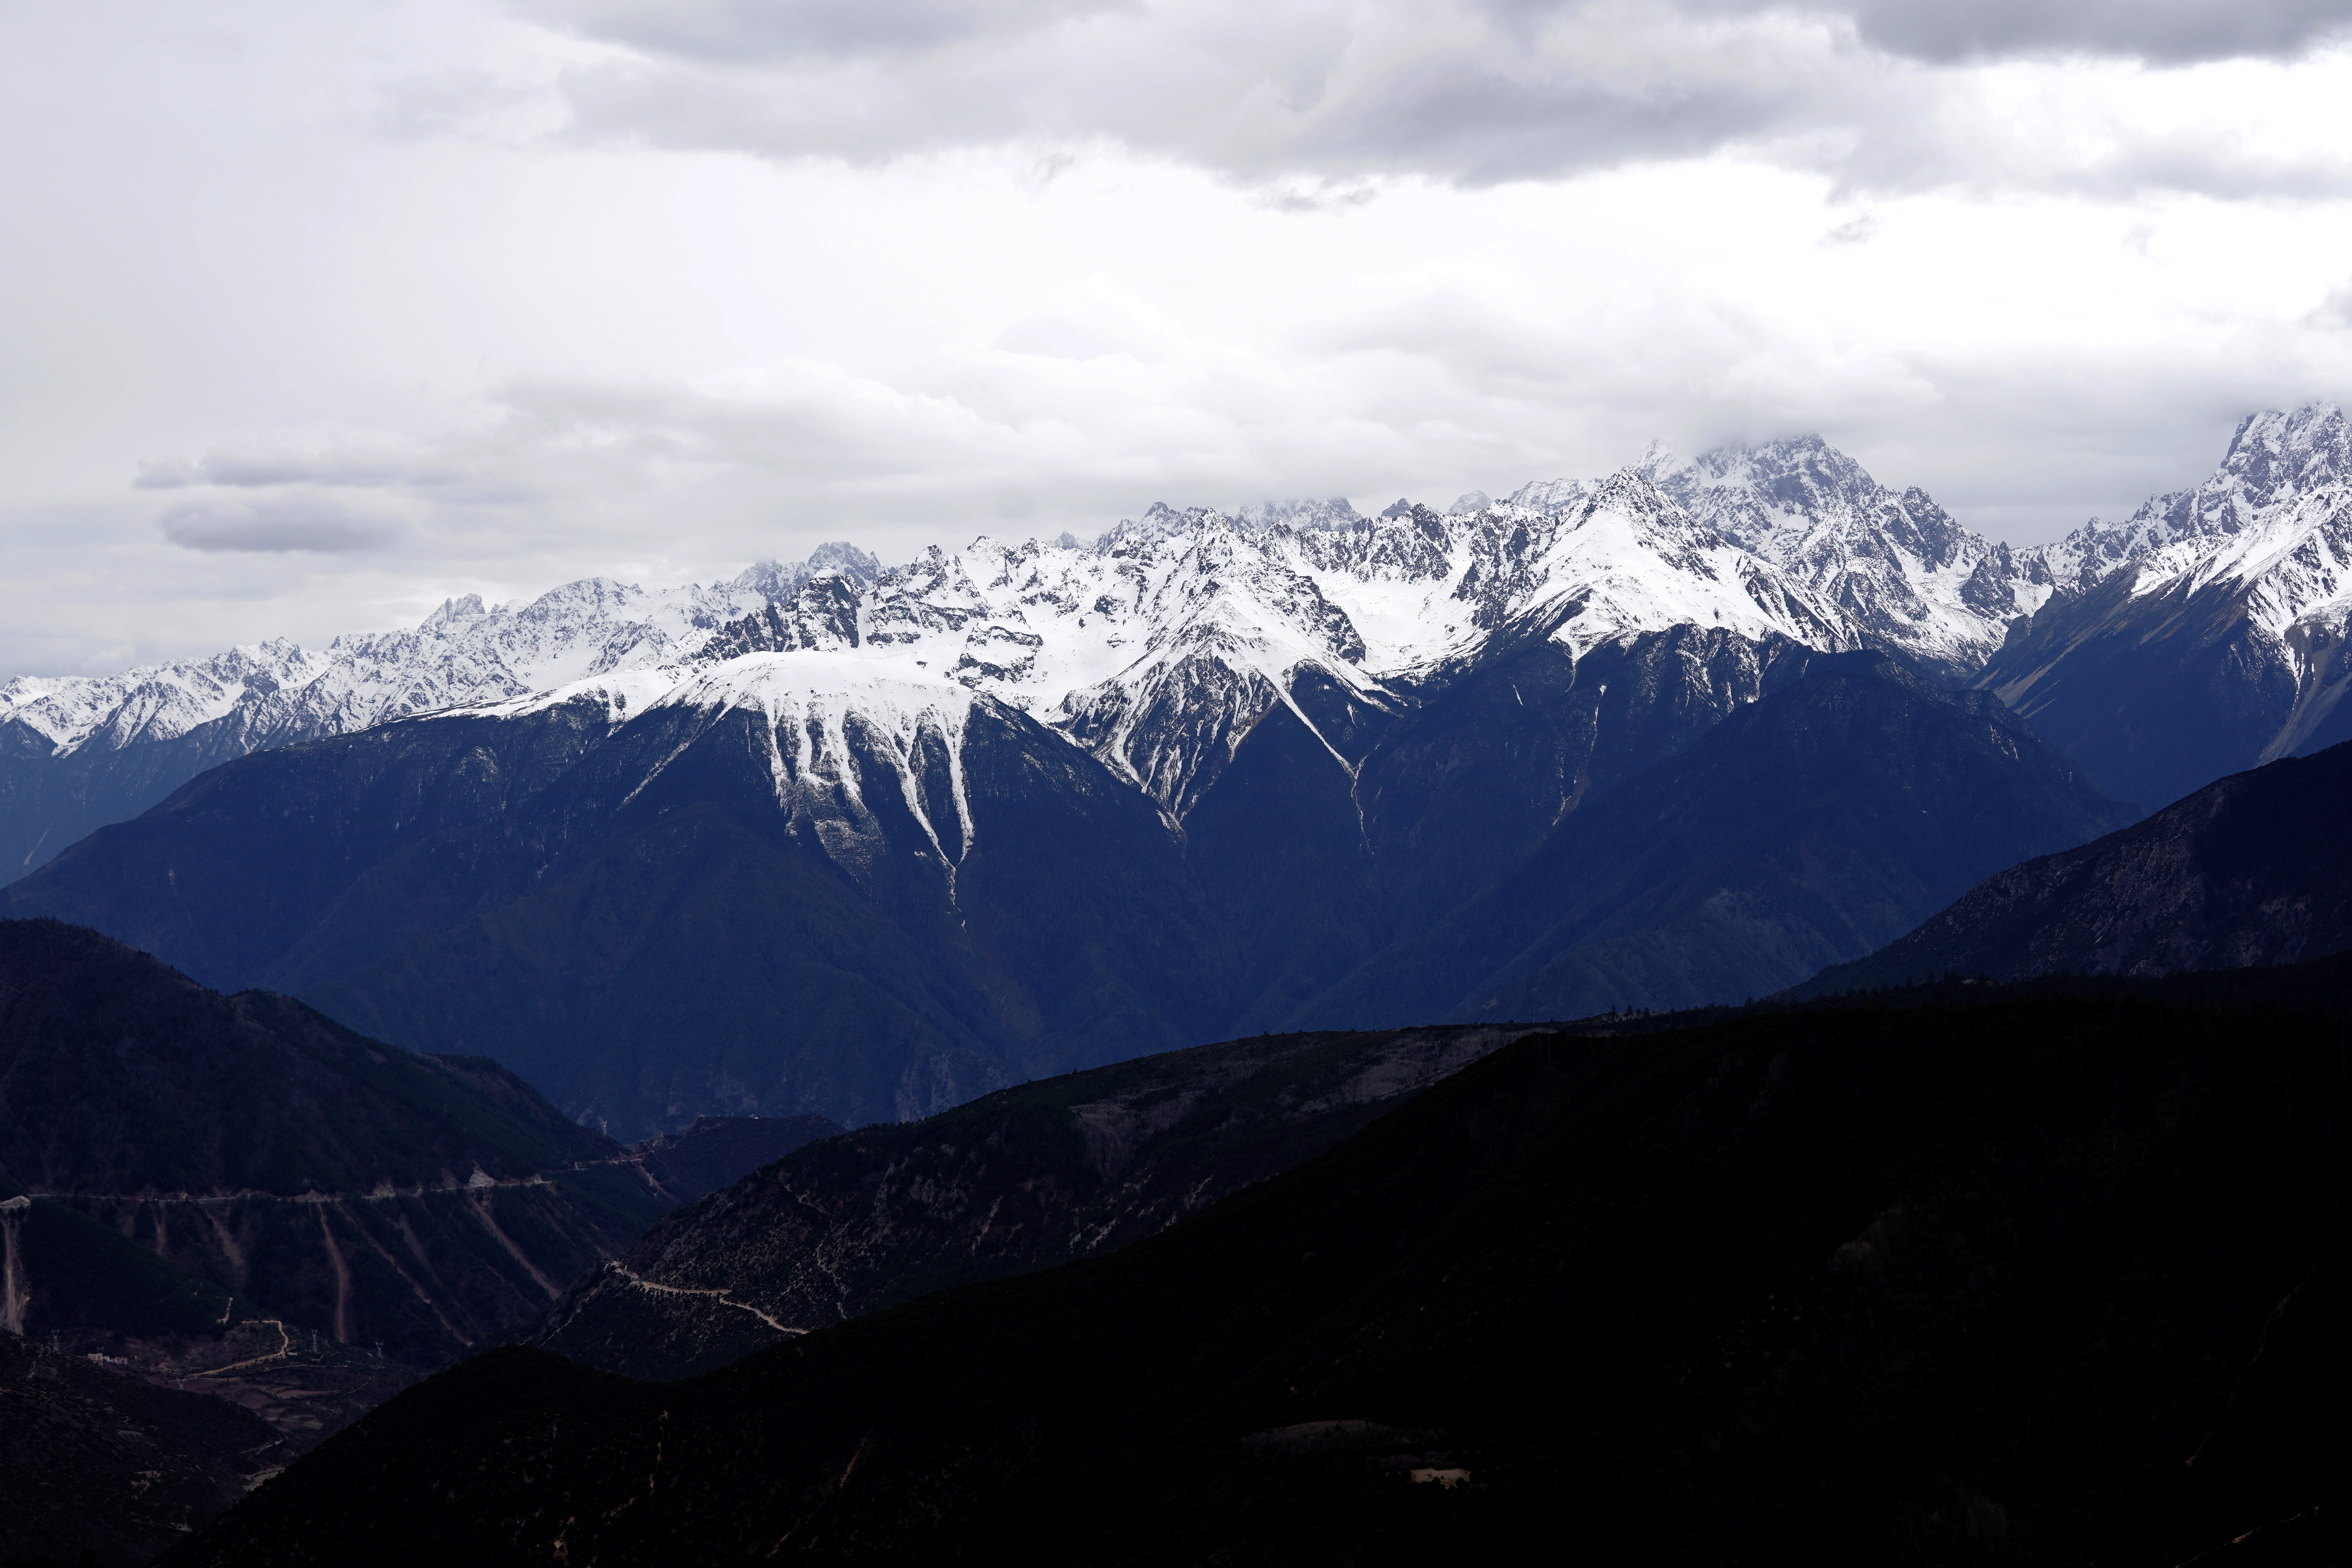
x: 1896, y: 94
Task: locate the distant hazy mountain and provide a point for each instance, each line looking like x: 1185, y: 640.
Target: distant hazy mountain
x: 2218, y: 642
x: 2254, y: 870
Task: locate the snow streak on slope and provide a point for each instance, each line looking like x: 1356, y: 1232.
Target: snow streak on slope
x: 840, y: 726
x: 2271, y: 531
x: 1160, y: 647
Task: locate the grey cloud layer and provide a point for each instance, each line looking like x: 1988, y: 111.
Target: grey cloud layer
x: 277, y: 524
x: 1471, y: 91
x: 2171, y: 32
x: 725, y: 31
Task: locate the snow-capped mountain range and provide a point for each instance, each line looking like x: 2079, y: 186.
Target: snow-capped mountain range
x: 1157, y: 645
x: 2210, y: 628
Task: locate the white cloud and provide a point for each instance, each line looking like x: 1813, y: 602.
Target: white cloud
x: 1897, y: 94
x: 338, y: 309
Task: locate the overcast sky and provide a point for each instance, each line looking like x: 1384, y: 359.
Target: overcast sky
x: 312, y: 314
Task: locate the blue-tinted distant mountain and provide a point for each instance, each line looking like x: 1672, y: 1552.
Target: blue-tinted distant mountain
x: 1805, y: 827
x: 891, y: 839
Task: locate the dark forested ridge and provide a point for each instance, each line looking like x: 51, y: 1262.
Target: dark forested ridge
x: 716, y: 1152
x: 1976, y: 1277
x: 319, y: 1178
x: 103, y: 1462
x: 2254, y: 869
x: 1069, y: 1167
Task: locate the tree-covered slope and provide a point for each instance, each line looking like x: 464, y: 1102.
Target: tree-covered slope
x: 319, y: 1176
x: 2254, y: 869
x: 1935, y: 1283
x: 1067, y: 1167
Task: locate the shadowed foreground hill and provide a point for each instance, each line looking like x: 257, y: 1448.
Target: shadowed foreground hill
x: 1063, y: 1168
x: 1949, y: 1282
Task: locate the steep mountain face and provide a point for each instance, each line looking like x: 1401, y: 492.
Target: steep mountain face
x: 2219, y: 641
x: 1065, y: 1168
x: 798, y: 884
x: 327, y: 1179
x: 894, y: 839
x: 2255, y: 870
x: 233, y: 874
x: 1874, y: 1284
x: 1797, y: 831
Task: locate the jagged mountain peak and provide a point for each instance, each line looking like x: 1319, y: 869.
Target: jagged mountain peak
x: 846, y: 558
x: 1335, y: 513
x: 465, y: 608
x: 1901, y: 567
x: 1159, y: 520
x: 1547, y: 495
x: 775, y: 579
x: 1800, y: 473
x: 2273, y: 458
x: 1630, y: 559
